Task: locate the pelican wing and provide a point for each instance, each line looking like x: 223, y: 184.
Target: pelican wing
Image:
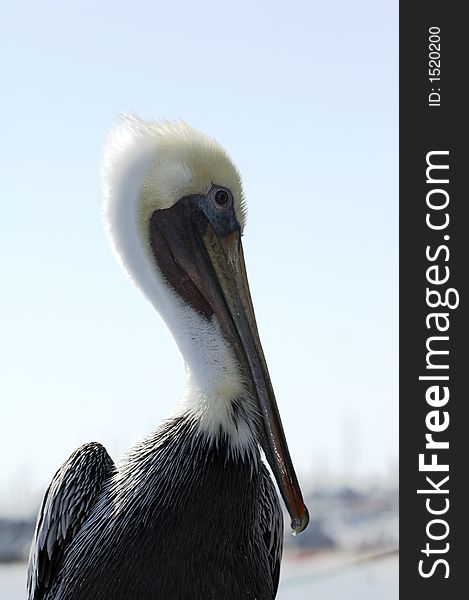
x: 71, y: 495
x: 271, y: 522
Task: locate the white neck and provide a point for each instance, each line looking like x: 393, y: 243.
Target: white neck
x: 213, y: 377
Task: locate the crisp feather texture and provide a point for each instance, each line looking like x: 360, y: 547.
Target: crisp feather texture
x: 178, y: 519
x: 178, y: 161
x: 149, y: 166
x: 67, y: 504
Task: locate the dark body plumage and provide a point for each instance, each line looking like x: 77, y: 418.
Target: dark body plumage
x: 183, y: 518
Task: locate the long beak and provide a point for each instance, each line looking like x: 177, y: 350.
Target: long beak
x: 219, y: 285
x: 227, y: 258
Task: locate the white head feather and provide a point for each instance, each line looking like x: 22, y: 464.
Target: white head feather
x: 180, y: 161
x: 149, y: 166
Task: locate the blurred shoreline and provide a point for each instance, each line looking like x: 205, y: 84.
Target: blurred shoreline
x: 343, y: 520
x: 326, y: 575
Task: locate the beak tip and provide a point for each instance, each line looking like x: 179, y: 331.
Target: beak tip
x: 299, y: 524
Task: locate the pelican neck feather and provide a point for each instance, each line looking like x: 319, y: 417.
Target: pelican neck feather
x: 148, y: 166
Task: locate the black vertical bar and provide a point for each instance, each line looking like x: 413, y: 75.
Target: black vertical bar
x: 433, y: 118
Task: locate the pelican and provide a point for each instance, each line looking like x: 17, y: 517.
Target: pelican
x: 191, y: 513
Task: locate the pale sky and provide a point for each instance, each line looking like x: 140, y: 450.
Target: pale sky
x: 303, y: 95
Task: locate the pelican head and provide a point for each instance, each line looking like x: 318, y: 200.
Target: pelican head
x: 175, y: 212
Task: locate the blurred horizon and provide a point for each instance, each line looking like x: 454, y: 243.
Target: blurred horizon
x: 24, y: 500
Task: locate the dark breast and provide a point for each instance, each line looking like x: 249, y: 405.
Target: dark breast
x: 180, y: 521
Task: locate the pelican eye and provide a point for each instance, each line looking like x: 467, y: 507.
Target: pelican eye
x: 222, y: 198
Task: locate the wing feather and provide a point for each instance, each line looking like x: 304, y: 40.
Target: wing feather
x: 67, y: 502
x: 271, y: 523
